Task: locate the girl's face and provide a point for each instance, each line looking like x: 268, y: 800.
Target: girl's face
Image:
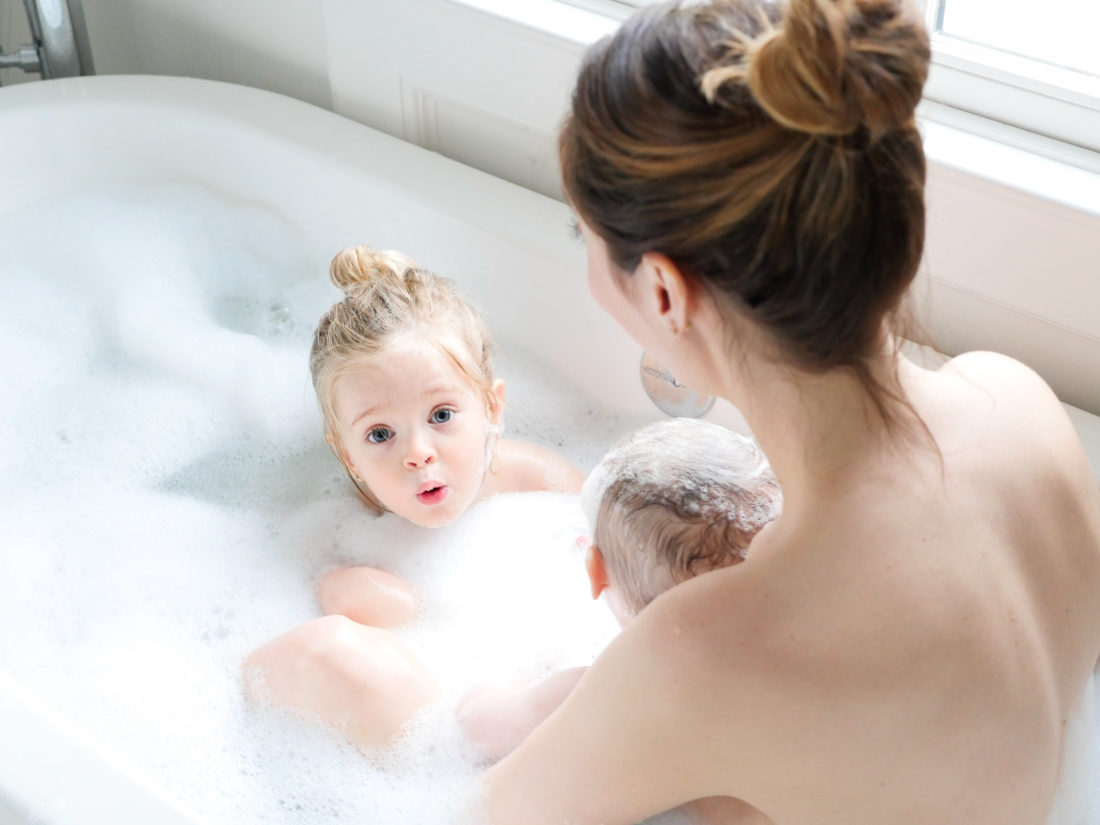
x: 415, y: 431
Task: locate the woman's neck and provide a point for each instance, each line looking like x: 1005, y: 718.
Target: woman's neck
x: 819, y: 431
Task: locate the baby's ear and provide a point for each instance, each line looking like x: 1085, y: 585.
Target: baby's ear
x: 597, y: 571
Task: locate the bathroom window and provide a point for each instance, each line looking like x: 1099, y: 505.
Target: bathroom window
x: 1059, y: 33
x: 1030, y: 65
x: 1034, y: 66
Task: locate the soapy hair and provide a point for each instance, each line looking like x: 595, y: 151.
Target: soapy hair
x: 770, y: 151
x: 386, y: 297
x: 676, y: 499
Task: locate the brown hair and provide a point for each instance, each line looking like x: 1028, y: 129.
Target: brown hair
x: 676, y: 499
x: 770, y: 151
x: 386, y: 296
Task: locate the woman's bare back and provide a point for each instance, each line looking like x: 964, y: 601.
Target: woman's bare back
x: 923, y: 648
x: 908, y: 651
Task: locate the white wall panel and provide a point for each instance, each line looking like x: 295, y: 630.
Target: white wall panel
x: 484, y: 140
x: 1030, y: 254
x: 448, y: 76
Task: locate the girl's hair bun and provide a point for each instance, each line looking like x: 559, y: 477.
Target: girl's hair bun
x: 834, y: 67
x: 358, y: 266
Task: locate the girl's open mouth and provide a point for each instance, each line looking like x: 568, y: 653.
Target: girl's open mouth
x: 432, y: 494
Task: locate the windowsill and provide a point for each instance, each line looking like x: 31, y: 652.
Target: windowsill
x: 572, y: 24
x: 1002, y: 154
x: 1020, y: 160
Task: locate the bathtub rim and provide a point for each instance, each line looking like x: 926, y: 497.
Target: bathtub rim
x: 328, y: 135
x: 64, y: 776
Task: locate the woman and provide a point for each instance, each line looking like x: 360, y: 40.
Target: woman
x: 906, y: 643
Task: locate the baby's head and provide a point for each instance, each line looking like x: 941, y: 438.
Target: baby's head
x: 403, y: 373
x: 671, y: 501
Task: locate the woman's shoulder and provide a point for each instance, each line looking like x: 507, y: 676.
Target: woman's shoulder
x: 730, y: 617
x: 1020, y: 427
x: 996, y: 372
x: 1016, y: 397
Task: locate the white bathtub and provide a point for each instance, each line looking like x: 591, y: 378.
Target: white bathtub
x: 332, y: 182
x: 329, y: 183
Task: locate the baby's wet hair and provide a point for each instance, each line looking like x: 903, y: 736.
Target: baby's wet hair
x: 388, y: 297
x: 676, y: 499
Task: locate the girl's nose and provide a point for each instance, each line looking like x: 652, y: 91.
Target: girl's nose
x: 419, y: 453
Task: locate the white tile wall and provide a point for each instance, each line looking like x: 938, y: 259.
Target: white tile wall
x: 278, y: 45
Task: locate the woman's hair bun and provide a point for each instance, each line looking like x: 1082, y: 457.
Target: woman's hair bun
x: 353, y: 268
x: 834, y: 67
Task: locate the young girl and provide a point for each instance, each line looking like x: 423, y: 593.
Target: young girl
x: 404, y: 378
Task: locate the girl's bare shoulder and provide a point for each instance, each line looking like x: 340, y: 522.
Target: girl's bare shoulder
x: 526, y: 467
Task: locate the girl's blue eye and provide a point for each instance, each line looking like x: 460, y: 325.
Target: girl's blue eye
x: 442, y: 416
x: 379, y: 435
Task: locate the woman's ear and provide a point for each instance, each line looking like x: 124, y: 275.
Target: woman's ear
x: 671, y: 292
x: 596, y: 569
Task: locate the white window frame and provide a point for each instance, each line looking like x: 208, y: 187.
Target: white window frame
x: 1027, y: 94
x: 1026, y: 103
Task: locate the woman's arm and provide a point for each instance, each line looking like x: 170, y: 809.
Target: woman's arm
x: 496, y: 721
x: 626, y: 744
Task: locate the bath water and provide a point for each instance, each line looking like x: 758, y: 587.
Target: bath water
x: 168, y: 504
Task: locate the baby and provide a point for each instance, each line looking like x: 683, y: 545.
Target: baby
x: 673, y: 500
x: 403, y: 374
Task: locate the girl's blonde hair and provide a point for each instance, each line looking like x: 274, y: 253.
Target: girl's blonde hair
x: 387, y: 296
